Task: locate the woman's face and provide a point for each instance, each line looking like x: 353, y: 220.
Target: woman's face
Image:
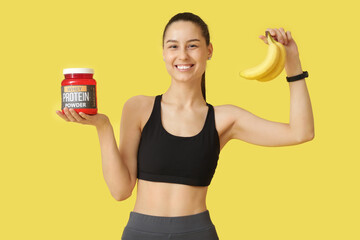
x: 185, y: 46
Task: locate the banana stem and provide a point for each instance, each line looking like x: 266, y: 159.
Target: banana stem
x: 269, y: 37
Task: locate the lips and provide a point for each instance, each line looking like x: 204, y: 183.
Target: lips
x: 186, y: 65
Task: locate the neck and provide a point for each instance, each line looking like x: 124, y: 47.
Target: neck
x: 185, y: 94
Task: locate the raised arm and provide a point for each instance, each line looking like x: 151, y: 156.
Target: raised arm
x: 253, y: 129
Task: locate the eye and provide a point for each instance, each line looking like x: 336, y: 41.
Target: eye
x: 175, y: 46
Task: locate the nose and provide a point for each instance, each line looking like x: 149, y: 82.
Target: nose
x: 183, y: 54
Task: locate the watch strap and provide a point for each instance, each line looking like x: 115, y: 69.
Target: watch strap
x: 297, y: 77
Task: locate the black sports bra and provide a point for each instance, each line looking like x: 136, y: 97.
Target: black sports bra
x: 163, y: 157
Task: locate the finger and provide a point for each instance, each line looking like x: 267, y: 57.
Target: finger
x: 282, y: 31
x: 84, y: 115
x: 263, y: 38
x: 272, y: 32
x: 62, y: 116
x: 76, y: 115
x: 289, y: 35
x: 69, y: 115
x: 279, y: 36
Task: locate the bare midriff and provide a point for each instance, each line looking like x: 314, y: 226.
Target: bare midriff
x: 169, y: 199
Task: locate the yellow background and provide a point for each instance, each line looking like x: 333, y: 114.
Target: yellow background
x: 52, y: 185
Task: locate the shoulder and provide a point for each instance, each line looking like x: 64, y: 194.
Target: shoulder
x: 231, y: 114
x: 225, y: 116
x: 140, y: 107
x: 139, y: 102
x: 135, y: 100
x: 225, y: 111
x: 225, y: 120
x: 229, y: 111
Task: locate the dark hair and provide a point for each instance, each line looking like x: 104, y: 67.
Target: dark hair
x: 190, y: 17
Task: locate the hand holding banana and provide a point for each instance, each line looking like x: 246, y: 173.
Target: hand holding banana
x: 281, y: 50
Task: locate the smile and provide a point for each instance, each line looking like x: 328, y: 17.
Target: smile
x: 183, y: 68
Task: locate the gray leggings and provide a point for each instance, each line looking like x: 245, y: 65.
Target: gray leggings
x: 190, y: 227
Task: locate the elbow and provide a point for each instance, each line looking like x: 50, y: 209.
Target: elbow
x: 307, y: 137
x: 125, y: 191
x: 310, y: 136
x: 122, y: 197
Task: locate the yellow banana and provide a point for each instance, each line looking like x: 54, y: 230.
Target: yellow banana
x: 279, y: 67
x: 267, y: 65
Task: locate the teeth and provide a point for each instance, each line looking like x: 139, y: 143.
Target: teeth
x: 183, y: 67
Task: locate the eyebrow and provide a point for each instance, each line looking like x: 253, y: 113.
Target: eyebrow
x: 186, y: 41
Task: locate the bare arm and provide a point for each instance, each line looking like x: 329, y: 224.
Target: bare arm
x: 118, y: 164
x: 253, y: 129
x: 301, y: 116
x: 116, y: 173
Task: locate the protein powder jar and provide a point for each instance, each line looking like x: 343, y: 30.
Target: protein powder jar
x: 78, y: 90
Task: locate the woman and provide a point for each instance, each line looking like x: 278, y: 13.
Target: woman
x: 170, y: 142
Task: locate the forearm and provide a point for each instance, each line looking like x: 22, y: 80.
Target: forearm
x: 115, y: 172
x: 301, y: 116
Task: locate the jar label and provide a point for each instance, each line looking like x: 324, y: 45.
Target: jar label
x: 78, y: 96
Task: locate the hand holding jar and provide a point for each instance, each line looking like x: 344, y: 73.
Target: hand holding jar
x: 98, y: 120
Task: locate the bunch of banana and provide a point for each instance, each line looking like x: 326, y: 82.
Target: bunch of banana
x: 273, y: 64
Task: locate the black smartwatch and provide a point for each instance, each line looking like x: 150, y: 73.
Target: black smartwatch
x: 297, y: 77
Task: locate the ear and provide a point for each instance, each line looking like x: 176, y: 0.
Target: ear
x: 210, y: 50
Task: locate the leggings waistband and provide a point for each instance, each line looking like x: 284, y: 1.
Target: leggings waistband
x: 150, y: 223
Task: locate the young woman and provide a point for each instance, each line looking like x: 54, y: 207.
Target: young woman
x: 171, y: 142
